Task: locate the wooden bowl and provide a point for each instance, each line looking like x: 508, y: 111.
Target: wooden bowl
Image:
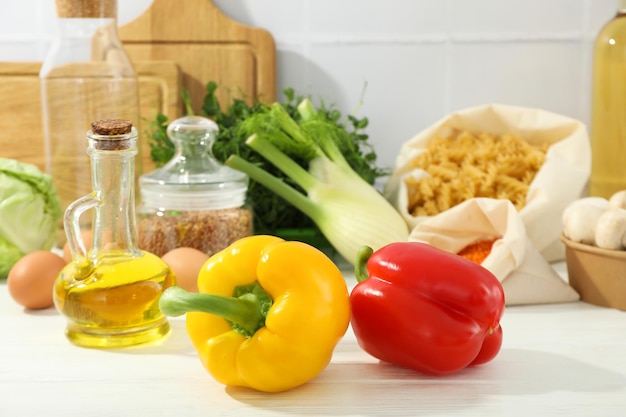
x: 599, y: 275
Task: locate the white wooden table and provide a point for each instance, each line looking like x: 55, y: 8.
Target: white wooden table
x: 562, y: 359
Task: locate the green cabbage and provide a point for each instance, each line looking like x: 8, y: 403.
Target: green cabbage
x: 29, y: 212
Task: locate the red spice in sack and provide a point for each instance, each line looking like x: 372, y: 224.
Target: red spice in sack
x: 477, y: 251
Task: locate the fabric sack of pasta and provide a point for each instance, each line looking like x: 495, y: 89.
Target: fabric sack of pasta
x: 538, y: 160
x: 495, y: 230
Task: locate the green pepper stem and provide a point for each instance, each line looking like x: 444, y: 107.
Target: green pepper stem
x: 360, y: 266
x: 247, y: 311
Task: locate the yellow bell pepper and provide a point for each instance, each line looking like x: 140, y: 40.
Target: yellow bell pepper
x: 268, y: 313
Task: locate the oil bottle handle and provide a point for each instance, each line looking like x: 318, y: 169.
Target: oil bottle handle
x: 71, y: 223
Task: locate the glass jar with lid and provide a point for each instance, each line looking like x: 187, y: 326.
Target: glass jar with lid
x: 193, y: 200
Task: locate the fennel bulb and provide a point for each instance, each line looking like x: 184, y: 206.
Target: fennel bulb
x: 349, y: 211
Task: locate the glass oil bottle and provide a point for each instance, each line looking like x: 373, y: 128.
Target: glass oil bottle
x: 608, y: 111
x: 109, y: 294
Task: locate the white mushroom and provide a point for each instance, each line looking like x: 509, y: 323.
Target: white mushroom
x: 600, y: 202
x: 611, y: 229
x: 618, y: 200
x: 580, y: 218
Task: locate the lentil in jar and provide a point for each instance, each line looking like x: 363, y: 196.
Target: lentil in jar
x: 209, y: 231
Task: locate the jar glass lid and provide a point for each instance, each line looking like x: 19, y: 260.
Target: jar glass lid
x: 193, y: 178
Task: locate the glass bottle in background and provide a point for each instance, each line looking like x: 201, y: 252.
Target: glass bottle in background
x: 608, y: 112
x: 109, y: 293
x: 86, y: 76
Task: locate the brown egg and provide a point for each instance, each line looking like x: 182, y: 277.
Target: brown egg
x: 31, y: 280
x: 186, y: 264
x: 86, y: 235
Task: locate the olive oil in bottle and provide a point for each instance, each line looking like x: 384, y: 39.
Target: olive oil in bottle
x: 608, y: 112
x: 110, y: 293
x: 107, y: 306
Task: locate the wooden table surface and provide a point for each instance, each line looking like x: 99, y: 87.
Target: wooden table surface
x: 560, y: 359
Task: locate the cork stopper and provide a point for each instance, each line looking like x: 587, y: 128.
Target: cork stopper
x: 111, y: 127
x: 86, y: 8
x: 112, y: 134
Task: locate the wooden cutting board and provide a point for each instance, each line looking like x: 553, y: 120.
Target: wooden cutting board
x: 207, y: 46
x: 174, y: 45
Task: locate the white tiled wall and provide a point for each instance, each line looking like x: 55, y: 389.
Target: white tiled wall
x: 412, y: 61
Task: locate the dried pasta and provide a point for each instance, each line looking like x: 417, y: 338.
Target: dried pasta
x: 466, y: 165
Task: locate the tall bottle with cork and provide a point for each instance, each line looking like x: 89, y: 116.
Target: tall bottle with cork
x: 87, y: 76
x: 608, y: 112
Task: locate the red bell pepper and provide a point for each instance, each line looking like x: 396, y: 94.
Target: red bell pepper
x: 422, y: 308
